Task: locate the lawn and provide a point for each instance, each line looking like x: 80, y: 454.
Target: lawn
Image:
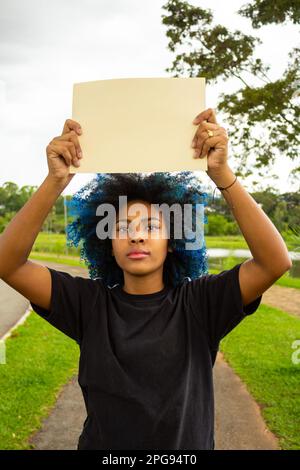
x: 56, y: 243
x: 53, y: 243
x: 50, y: 247
x: 57, y: 258
x: 260, y: 351
x: 284, y: 281
x: 39, y: 361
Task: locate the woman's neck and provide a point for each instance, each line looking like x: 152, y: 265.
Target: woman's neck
x: 143, y: 284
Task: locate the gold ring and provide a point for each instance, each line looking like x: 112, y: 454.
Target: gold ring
x: 210, y: 133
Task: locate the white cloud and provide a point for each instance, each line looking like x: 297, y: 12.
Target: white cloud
x: 45, y: 47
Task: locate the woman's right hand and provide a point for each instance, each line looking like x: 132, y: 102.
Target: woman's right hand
x: 63, y: 151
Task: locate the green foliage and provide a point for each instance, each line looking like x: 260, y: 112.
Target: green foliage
x: 267, y: 114
x: 282, y: 209
x: 219, y: 225
x: 5, y: 219
x: 262, y: 12
x: 13, y: 198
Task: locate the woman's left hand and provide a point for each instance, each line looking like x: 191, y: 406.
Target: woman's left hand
x: 215, y: 147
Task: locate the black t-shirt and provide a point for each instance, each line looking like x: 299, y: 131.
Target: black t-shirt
x: 146, y: 361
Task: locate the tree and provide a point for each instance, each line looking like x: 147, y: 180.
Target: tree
x: 267, y: 113
x: 262, y: 12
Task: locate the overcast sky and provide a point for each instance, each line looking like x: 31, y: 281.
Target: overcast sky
x: 47, y: 46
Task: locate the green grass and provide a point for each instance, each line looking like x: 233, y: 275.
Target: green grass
x: 284, y: 281
x: 51, y: 247
x: 259, y: 350
x: 39, y: 361
x: 56, y: 258
x: 287, y: 281
x: 53, y: 243
x: 230, y: 242
x: 56, y: 243
x: 236, y: 242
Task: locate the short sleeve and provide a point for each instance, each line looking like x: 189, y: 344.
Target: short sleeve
x: 217, y: 303
x: 72, y: 300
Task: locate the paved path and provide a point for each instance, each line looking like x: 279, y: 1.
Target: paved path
x: 238, y: 422
x: 12, y: 306
x: 285, y: 298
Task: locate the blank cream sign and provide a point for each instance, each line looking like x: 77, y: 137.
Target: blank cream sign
x: 138, y: 124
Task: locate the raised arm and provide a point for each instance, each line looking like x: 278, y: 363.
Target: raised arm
x: 270, y: 254
x: 31, y: 279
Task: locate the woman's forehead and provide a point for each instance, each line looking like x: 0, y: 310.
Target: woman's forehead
x: 138, y: 209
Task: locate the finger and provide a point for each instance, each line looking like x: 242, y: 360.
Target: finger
x: 67, y: 149
x: 202, y: 137
x: 207, y: 115
x: 203, y: 127
x: 213, y: 142
x: 70, y: 125
x: 217, y: 143
x: 205, y: 144
x: 72, y: 137
x: 72, y: 149
x: 63, y: 152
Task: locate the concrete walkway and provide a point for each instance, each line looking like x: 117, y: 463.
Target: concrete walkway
x: 284, y: 298
x: 238, y: 421
x: 12, y: 306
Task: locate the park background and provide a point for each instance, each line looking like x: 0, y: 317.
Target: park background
x: 249, y: 53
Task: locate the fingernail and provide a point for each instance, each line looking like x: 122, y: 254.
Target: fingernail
x: 195, y: 121
x: 195, y: 154
x: 79, y: 154
x: 79, y: 130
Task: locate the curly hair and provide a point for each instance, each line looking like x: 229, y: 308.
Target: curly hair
x: 155, y: 188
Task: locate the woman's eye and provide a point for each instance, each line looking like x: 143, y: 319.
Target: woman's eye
x: 153, y: 228
x: 121, y: 229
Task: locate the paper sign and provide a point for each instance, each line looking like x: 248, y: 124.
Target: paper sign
x: 138, y: 124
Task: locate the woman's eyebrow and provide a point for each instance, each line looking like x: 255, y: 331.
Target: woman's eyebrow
x: 145, y: 218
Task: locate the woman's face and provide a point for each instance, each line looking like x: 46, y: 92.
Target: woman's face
x: 140, y: 230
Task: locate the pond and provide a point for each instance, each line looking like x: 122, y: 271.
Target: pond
x: 221, y: 259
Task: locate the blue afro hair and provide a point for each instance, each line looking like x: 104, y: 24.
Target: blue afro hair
x: 156, y: 188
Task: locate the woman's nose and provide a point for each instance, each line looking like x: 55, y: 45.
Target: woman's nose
x: 137, y: 235
x: 137, y: 231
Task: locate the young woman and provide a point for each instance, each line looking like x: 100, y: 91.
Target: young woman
x: 150, y: 318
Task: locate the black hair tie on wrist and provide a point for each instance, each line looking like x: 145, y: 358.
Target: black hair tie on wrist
x: 222, y: 189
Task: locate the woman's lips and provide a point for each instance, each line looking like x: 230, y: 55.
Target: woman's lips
x: 137, y: 255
